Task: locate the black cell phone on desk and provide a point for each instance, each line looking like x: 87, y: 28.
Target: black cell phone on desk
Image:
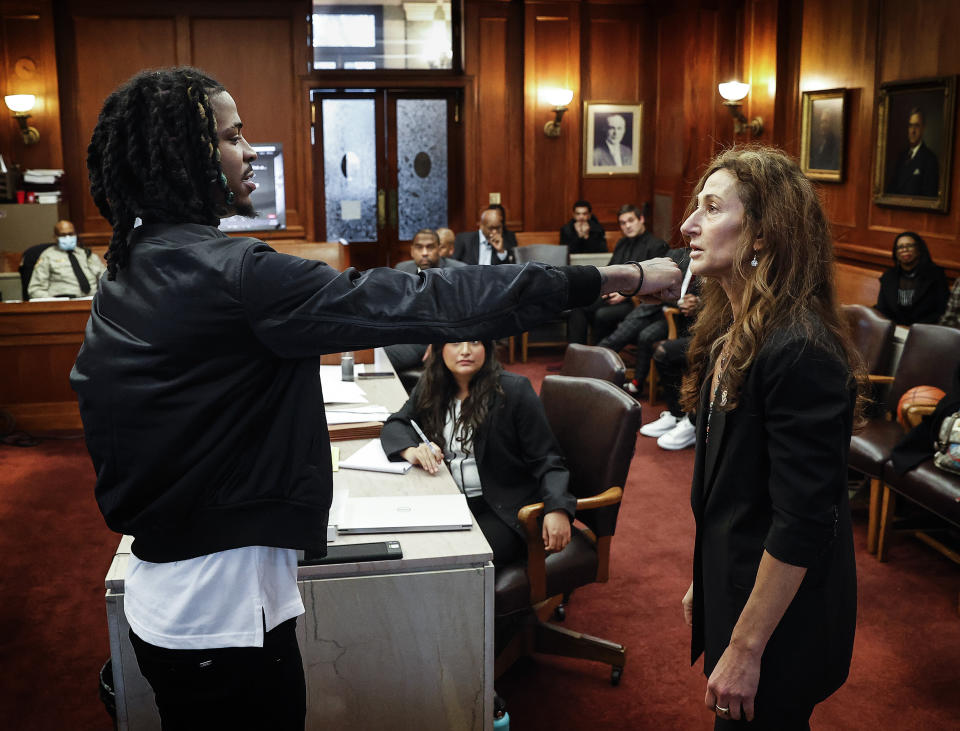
x: 354, y: 552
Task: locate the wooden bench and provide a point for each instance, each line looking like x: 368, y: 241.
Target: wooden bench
x: 857, y: 285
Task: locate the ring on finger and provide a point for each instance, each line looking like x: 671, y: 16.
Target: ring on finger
x: 721, y: 710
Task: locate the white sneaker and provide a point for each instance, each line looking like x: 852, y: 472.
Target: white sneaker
x: 665, y: 423
x: 683, y: 435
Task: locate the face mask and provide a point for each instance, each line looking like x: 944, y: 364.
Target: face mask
x: 67, y: 243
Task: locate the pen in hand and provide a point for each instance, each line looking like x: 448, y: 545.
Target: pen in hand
x: 423, y: 438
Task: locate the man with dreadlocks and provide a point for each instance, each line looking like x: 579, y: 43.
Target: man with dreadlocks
x: 200, y: 396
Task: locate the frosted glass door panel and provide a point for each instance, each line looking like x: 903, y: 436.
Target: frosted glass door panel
x: 350, y: 169
x: 421, y: 165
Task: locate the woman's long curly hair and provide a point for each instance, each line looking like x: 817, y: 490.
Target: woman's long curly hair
x: 154, y: 155
x: 437, y: 388
x: 792, y: 284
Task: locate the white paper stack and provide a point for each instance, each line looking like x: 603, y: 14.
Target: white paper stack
x: 371, y: 457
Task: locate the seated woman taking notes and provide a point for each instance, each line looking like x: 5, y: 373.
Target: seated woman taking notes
x: 491, y: 429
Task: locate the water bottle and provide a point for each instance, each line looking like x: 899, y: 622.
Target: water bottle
x: 501, y: 719
x: 346, y: 367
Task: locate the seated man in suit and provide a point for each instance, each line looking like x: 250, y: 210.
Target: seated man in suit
x: 583, y: 233
x: 917, y: 171
x: 446, y: 242
x: 425, y: 253
x: 61, y: 272
x: 613, y: 153
x: 488, y: 245
x: 509, y: 237
x: 606, y: 313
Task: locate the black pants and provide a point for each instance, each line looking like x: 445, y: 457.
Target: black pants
x: 228, y: 687
x: 506, y: 544
x: 670, y: 359
x: 771, y: 719
x: 603, y: 317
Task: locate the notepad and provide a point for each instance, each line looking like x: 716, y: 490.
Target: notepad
x: 372, y: 457
x: 405, y: 513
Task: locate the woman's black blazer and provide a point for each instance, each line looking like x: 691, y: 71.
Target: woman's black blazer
x: 929, y: 299
x: 517, y: 455
x: 773, y: 477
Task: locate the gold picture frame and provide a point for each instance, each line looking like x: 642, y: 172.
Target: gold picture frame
x: 915, y: 143
x: 823, y: 134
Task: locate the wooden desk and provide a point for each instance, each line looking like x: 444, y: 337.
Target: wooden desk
x: 38, y: 345
x: 394, y: 645
x: 39, y: 342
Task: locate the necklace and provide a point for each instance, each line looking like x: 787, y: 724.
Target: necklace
x: 721, y: 364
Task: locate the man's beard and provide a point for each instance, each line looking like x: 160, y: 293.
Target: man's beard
x: 245, y: 209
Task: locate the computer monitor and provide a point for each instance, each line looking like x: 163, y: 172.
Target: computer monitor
x: 269, y: 198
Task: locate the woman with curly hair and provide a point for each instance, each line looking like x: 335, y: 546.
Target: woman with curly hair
x: 492, y: 431
x: 773, y: 374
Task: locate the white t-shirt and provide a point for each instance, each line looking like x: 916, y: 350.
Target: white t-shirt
x: 223, y: 599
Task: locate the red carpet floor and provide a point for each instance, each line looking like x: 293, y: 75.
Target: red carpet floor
x: 53, y: 638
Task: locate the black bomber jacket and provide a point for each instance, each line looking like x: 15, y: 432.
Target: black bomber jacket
x: 198, y: 380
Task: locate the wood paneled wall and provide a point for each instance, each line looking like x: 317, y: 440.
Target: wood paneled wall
x: 858, y: 45
x: 670, y: 57
x: 255, y: 49
x: 493, y: 55
x: 29, y: 60
x: 696, y: 50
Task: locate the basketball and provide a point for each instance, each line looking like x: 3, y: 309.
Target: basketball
x: 917, y: 396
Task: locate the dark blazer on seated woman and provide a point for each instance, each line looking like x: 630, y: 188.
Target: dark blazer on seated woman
x: 930, y: 287
x: 773, y: 476
x: 517, y: 455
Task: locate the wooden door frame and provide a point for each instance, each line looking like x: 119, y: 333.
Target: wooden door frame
x: 460, y: 180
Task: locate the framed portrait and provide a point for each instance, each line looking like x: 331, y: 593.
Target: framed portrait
x: 823, y: 134
x: 611, y: 139
x: 915, y: 143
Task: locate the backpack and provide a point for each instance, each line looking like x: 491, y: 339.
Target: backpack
x: 947, y: 456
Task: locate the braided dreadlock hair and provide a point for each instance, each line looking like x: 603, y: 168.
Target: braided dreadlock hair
x: 154, y: 155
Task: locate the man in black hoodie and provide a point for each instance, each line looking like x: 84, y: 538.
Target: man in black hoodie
x: 199, y: 389
x: 583, y: 233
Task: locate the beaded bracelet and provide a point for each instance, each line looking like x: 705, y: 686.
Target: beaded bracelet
x: 639, y: 285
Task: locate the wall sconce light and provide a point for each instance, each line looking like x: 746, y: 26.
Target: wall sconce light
x: 733, y: 93
x: 20, y: 105
x: 558, y: 99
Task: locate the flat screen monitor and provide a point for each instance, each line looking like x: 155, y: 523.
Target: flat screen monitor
x: 269, y: 198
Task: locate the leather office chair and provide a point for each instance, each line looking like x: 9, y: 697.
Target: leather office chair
x: 27, y: 262
x: 596, y: 426
x: 653, y: 377
x: 556, y: 255
x: 873, y: 337
x: 930, y: 357
x: 591, y: 361
x: 933, y: 489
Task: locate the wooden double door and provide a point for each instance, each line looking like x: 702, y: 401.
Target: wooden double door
x: 387, y: 163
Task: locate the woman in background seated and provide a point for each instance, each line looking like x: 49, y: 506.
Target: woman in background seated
x: 491, y: 429
x: 914, y: 289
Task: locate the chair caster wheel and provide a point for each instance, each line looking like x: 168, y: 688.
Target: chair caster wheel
x: 560, y: 613
x: 615, y: 674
